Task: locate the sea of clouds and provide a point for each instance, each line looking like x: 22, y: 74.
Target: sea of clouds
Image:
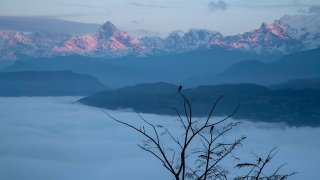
x: 53, y: 138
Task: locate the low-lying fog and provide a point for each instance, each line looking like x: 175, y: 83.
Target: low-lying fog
x: 50, y: 138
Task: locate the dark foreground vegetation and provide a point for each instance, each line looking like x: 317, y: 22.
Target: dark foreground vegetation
x: 186, y: 158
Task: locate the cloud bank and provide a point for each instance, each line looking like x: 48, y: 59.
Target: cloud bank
x: 314, y: 10
x: 138, y: 4
x: 217, y: 6
x: 46, y: 24
x: 51, y: 138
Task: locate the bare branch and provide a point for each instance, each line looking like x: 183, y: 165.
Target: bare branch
x: 205, y: 159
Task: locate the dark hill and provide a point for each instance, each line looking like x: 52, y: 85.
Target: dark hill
x: 293, y: 66
x: 48, y: 83
x: 295, y: 107
x: 312, y: 83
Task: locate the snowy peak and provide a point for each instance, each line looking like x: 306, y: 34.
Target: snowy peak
x: 108, y: 26
x: 108, y: 29
x: 110, y: 37
x: 18, y: 44
x: 276, y: 28
x: 108, y: 41
x: 277, y: 37
x: 200, y: 37
x: 14, y: 38
x: 77, y: 45
x: 181, y: 42
x: 279, y: 29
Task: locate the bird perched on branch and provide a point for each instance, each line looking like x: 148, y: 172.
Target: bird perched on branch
x: 211, y: 129
x: 180, y: 88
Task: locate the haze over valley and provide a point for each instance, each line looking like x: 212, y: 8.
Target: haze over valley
x: 52, y: 138
x: 224, y: 81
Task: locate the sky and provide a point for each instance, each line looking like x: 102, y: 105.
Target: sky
x: 226, y: 16
x: 51, y: 138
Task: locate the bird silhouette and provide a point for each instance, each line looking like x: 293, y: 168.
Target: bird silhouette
x: 211, y: 129
x: 180, y: 88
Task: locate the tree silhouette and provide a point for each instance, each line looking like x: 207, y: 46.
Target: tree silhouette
x: 198, y: 152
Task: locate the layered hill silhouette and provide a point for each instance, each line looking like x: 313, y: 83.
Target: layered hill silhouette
x: 304, y: 64
x: 257, y: 103
x: 132, y: 70
x: 312, y: 83
x: 48, y: 83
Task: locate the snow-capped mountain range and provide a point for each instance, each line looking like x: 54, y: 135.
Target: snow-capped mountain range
x: 108, y: 41
x: 276, y: 38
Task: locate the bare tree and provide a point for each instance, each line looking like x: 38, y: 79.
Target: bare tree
x: 198, y: 152
x: 256, y: 169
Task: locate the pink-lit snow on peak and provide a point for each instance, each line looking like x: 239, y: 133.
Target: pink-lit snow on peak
x: 21, y: 38
x: 237, y: 45
x: 277, y: 28
x: 135, y: 41
x: 114, y: 44
x: 15, y: 38
x: 107, y: 38
x: 79, y: 44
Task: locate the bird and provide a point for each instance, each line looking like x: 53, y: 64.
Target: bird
x: 180, y: 88
x: 211, y: 129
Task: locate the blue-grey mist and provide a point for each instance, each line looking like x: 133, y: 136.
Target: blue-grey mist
x: 51, y: 138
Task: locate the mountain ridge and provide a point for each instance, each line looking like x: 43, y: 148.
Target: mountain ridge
x: 48, y: 83
x: 275, y: 38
